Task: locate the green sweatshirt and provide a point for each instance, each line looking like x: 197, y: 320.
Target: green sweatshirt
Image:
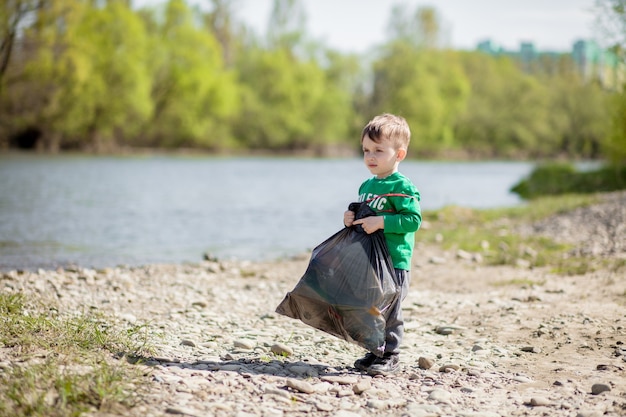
x: 402, y: 214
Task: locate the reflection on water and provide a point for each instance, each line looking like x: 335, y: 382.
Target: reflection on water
x: 105, y: 211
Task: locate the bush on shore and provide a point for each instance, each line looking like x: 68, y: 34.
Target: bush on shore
x: 556, y: 179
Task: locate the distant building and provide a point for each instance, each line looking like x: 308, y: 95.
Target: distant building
x: 591, y: 62
x: 595, y: 63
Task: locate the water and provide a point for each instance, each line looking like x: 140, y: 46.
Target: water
x: 106, y: 211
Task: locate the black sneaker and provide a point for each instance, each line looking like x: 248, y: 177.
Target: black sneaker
x: 388, y: 364
x: 365, y: 362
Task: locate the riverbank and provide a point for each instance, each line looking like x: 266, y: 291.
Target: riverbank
x: 480, y: 340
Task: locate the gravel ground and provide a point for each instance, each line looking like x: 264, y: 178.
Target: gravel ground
x: 480, y: 341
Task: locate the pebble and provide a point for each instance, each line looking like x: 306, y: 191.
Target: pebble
x: 425, y: 363
x: 449, y: 367
x: 531, y: 349
x: 361, y: 386
x: 181, y: 411
x: 540, y: 402
x: 281, y: 349
x: 342, y: 380
x: 589, y: 413
x: 244, y: 344
x: 444, y: 330
x: 301, y: 386
x: 440, y: 396
x: 600, y: 388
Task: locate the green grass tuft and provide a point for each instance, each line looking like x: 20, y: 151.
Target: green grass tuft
x: 64, y: 365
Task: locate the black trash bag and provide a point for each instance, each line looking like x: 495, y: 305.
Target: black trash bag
x: 349, y: 287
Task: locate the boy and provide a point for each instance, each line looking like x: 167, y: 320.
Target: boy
x: 395, y: 200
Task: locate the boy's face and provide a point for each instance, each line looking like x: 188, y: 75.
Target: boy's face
x: 381, y: 158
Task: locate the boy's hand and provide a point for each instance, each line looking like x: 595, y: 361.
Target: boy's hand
x: 370, y: 224
x: 348, y: 218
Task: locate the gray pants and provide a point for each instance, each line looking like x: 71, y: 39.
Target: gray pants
x: 394, y: 330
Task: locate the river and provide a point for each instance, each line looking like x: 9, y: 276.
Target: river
x: 106, y: 211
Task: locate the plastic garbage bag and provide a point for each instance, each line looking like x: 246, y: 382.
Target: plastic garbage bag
x: 348, y: 288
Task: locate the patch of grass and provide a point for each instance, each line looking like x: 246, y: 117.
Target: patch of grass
x: 518, y: 282
x: 575, y: 266
x: 583, y: 265
x: 492, y: 233
x: 248, y: 274
x: 617, y: 265
x: 63, y: 366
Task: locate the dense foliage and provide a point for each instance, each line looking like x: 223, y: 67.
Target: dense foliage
x: 101, y: 75
x: 561, y: 178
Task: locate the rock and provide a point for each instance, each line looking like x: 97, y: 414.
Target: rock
x: 377, y: 404
x: 600, y: 388
x: 346, y: 413
x: 301, y: 386
x: 341, y: 380
x: 440, y: 396
x: 244, y: 344
x: 531, y: 349
x: 449, y: 367
x: 187, y: 342
x: 540, y: 402
x: 275, y: 391
x: 437, y: 260
x: 181, y: 411
x: 423, y: 410
x: 324, y: 406
x: 444, y: 330
x: 589, y: 413
x: 425, y: 363
x: 281, y: 349
x: 200, y: 304
x: 362, y: 386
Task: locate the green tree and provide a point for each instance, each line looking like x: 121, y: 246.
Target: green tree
x: 297, y: 94
x: 193, y: 93
x: 611, y: 16
x: 87, y: 73
x: 427, y: 87
x: 414, y: 78
x: 115, y: 97
x: 614, y: 147
x: 507, y: 114
x: 584, y: 112
x: 13, y: 16
x: 57, y: 70
x: 222, y: 23
x: 281, y: 94
x: 345, y: 77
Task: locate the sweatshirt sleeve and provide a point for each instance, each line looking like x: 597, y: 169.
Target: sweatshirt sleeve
x: 408, y: 215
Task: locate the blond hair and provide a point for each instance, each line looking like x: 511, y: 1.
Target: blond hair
x: 390, y: 127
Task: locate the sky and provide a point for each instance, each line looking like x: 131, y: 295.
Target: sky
x: 357, y: 25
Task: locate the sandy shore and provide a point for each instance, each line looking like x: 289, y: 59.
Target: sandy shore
x: 480, y: 340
